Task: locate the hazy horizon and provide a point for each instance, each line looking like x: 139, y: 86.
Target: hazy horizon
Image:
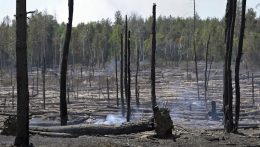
x: 87, y: 11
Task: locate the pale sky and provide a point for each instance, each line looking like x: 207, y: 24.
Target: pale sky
x: 93, y: 10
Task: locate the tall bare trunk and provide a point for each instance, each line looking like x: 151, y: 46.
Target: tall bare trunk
x: 117, y: 100
x: 126, y: 63
x: 195, y: 50
x: 206, y: 70
x: 153, y: 98
x: 121, y: 78
x: 63, y: 72
x: 227, y: 88
x: 128, y: 81
x: 136, y: 78
x: 238, y: 60
x: 22, y: 131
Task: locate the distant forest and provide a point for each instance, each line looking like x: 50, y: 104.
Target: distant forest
x: 97, y: 43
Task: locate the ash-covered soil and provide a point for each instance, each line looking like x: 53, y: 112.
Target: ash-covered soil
x: 89, y: 103
x: 183, y: 138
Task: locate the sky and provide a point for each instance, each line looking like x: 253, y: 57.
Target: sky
x: 94, y: 10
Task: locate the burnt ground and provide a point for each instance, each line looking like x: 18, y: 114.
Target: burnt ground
x: 194, y: 137
x: 88, y: 103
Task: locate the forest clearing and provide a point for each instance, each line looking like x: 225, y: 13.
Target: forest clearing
x: 156, y: 81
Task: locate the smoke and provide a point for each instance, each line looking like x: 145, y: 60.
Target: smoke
x: 111, y: 119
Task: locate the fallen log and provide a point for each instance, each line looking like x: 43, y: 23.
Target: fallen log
x: 96, y: 129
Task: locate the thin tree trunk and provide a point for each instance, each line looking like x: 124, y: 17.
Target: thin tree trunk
x: 63, y: 72
x: 121, y: 78
x: 117, y: 100
x: 253, y: 89
x: 128, y: 81
x: 37, y: 79
x: 206, y: 70
x: 194, y: 48
x: 136, y: 78
x: 22, y: 124
x: 126, y: 66
x: 43, y: 79
x: 108, y: 98
x: 238, y: 60
x: 153, y: 98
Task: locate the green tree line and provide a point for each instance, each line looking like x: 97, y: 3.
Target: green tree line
x: 96, y: 43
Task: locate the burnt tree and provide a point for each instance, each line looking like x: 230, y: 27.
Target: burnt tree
x: 128, y: 81
x: 121, y: 77
x: 237, y: 66
x: 227, y: 80
x: 22, y: 131
x: 117, y: 100
x: 136, y: 79
x: 195, y: 50
x: 126, y: 64
x: 153, y: 98
x: 206, y: 70
x: 64, y: 62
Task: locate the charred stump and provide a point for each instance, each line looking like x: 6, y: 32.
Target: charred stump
x: 163, y: 122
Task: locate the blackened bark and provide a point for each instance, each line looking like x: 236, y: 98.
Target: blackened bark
x: 128, y: 81
x: 37, y: 79
x: 22, y: 131
x: 206, y: 69
x: 108, y: 97
x: 43, y: 78
x: 228, y: 90
x: 238, y: 60
x: 117, y: 100
x: 194, y: 49
x: 63, y: 72
x: 121, y: 78
x: 126, y: 66
x: 153, y: 98
x: 253, y: 89
x: 136, y: 79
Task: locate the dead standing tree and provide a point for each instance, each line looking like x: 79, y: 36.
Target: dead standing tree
x: 194, y: 49
x: 128, y: 80
x: 63, y: 72
x: 227, y: 80
x: 153, y: 98
x: 117, y: 100
x: 121, y: 78
x: 206, y: 70
x: 136, y: 78
x: 238, y: 60
x: 22, y: 131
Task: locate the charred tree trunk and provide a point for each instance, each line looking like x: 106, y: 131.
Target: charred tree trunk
x: 136, y: 78
x: 117, y: 100
x: 206, y: 70
x: 253, y: 89
x: 121, y: 78
x: 227, y: 88
x: 126, y: 64
x: 22, y: 131
x: 153, y: 98
x: 37, y: 78
x: 194, y: 49
x: 108, y: 97
x: 128, y: 81
x: 43, y: 78
x: 63, y: 72
x: 238, y: 60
